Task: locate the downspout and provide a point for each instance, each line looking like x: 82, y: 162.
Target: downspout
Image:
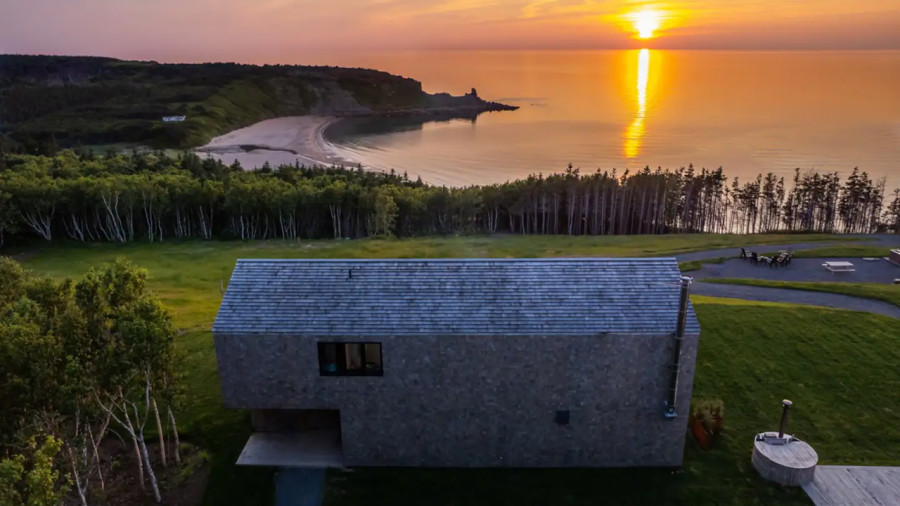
x: 670, y: 411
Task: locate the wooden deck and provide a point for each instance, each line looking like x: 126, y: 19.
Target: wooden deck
x: 855, y: 485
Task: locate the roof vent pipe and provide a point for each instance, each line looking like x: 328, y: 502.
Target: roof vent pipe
x: 786, y: 405
x: 670, y: 411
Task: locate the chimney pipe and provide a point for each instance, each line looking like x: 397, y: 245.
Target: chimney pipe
x: 784, y: 414
x: 679, y: 337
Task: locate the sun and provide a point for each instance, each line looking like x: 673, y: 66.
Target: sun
x: 646, y: 23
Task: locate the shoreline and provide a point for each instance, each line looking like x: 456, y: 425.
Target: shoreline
x: 288, y: 140
x: 279, y: 141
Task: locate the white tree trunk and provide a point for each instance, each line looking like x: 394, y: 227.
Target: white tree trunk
x: 159, y: 430
x: 95, y: 443
x: 175, y: 433
x: 150, y: 472
x: 79, y: 486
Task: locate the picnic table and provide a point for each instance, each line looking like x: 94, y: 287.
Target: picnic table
x: 839, y: 266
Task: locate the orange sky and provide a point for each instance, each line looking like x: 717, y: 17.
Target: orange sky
x: 287, y: 30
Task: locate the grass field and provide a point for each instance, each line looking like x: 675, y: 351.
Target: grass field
x: 839, y: 368
x: 877, y: 291
x: 696, y: 265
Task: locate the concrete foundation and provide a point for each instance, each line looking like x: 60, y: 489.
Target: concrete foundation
x: 312, y: 449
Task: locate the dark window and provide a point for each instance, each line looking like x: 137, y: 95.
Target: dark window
x: 350, y: 359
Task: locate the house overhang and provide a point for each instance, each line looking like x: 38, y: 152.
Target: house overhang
x: 311, y: 449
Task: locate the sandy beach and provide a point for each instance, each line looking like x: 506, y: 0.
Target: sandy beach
x: 279, y: 141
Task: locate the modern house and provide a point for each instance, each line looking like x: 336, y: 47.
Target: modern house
x: 569, y: 362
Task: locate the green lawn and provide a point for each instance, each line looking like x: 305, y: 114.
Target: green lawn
x: 696, y: 265
x: 838, y: 367
x: 877, y: 291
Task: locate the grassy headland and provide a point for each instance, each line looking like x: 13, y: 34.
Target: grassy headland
x: 59, y: 101
x: 837, y: 366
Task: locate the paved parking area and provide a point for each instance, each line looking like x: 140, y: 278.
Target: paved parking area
x: 803, y: 269
x: 800, y: 269
x: 886, y: 241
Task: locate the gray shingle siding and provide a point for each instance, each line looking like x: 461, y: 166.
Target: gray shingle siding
x: 480, y: 401
x: 478, y: 356
x: 567, y: 296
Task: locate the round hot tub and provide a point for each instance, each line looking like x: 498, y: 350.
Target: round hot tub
x: 784, y: 460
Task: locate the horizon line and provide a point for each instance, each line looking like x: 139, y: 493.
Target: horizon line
x: 485, y: 49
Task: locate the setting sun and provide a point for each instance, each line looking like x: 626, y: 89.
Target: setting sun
x: 646, y: 22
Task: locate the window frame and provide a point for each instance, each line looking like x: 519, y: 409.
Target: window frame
x: 340, y: 354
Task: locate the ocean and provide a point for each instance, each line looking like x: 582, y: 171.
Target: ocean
x: 749, y: 112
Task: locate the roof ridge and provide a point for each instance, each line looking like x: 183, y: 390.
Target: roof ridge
x: 466, y: 259
x: 453, y: 296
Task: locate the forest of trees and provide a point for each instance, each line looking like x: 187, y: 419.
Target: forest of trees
x: 88, y: 388
x: 150, y: 197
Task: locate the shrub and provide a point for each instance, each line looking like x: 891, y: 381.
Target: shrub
x: 709, y: 413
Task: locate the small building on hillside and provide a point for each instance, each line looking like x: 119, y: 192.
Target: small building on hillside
x: 173, y: 119
x: 570, y: 362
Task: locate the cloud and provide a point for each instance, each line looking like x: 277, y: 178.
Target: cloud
x: 555, y: 9
x: 266, y: 30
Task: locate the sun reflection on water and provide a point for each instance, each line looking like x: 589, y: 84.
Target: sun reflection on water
x: 634, y: 134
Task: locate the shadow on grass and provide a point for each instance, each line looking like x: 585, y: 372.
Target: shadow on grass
x: 222, y: 432
x: 236, y: 485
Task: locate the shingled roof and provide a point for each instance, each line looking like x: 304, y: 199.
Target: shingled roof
x: 554, y: 296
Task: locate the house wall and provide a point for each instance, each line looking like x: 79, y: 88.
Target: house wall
x: 294, y: 420
x: 479, y: 401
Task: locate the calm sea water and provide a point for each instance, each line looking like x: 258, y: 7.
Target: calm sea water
x: 748, y: 112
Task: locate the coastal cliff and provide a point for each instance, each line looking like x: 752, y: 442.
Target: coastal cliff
x: 48, y: 102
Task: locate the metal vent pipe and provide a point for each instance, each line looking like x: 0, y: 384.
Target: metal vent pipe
x: 786, y: 405
x: 679, y: 337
